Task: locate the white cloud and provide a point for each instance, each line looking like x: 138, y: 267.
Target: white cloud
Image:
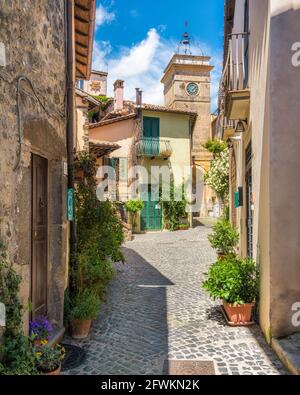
x: 103, y: 16
x: 142, y: 65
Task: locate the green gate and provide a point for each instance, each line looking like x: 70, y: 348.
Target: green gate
x: 151, y: 215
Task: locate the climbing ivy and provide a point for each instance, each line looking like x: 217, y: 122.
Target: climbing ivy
x: 174, y: 210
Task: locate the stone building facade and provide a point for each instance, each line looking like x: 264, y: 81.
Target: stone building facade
x: 33, y: 146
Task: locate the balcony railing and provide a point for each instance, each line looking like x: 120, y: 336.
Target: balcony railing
x: 153, y: 148
x: 234, y: 94
x: 235, y: 74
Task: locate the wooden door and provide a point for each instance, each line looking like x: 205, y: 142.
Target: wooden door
x: 39, y: 236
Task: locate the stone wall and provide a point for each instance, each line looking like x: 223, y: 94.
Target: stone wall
x: 33, y: 32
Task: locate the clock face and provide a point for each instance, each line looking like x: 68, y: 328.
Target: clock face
x: 192, y: 89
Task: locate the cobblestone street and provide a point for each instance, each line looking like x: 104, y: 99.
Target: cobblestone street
x: 156, y: 310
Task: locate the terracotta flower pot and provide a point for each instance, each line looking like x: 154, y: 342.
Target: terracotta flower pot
x: 55, y: 372
x: 239, y: 313
x: 221, y: 255
x: 37, y: 343
x: 80, y: 328
x: 79, y: 174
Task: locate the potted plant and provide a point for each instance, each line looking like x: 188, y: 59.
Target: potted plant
x: 166, y: 153
x: 184, y: 227
x: 235, y: 281
x: 134, y: 207
x: 224, y: 238
x: 85, y: 308
x: 40, y: 329
x: 48, y: 358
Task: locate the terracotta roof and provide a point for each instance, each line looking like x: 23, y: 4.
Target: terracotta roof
x: 113, y: 120
x: 87, y: 96
x: 101, y: 148
x: 84, y: 15
x: 154, y: 107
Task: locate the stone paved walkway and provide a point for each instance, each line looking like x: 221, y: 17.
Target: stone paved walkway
x: 156, y: 309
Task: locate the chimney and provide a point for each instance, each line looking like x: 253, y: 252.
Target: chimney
x: 139, y: 94
x: 119, y: 95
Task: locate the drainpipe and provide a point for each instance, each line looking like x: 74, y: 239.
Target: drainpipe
x: 70, y: 111
x: 190, y: 216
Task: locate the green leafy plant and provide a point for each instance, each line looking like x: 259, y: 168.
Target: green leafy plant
x: 99, y: 234
x: 93, y: 272
x: 97, y: 222
x: 85, y: 305
x: 19, y: 357
x: 224, y: 237
x: 183, y: 226
x: 174, y: 209
x: 216, y: 147
x: 102, y: 99
x: 134, y: 207
x: 16, y: 349
x: 48, y: 358
x: 233, y: 280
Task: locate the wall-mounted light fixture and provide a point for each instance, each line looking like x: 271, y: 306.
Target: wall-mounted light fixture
x: 240, y: 127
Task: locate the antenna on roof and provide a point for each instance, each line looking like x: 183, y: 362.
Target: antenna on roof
x: 185, y: 43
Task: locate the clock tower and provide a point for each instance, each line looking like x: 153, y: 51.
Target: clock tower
x: 187, y: 87
x: 187, y: 83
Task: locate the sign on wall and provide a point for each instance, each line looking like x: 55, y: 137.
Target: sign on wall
x: 2, y: 315
x: 70, y: 203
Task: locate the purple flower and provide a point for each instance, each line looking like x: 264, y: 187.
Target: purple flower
x: 41, y: 328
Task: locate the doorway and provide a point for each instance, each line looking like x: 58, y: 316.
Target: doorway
x: 151, y: 214
x: 39, y: 236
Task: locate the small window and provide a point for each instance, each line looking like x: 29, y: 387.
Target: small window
x: 80, y: 84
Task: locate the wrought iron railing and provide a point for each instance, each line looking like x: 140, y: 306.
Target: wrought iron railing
x: 154, y: 147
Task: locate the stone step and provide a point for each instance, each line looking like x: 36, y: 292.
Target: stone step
x: 288, y: 350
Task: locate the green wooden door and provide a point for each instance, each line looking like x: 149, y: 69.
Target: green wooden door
x: 151, y: 215
x: 151, y: 136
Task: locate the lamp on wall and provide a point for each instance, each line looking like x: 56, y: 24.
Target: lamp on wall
x: 240, y: 127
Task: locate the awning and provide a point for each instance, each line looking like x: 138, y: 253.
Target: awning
x: 85, y: 12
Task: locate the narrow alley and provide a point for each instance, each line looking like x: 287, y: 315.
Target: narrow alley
x: 156, y: 311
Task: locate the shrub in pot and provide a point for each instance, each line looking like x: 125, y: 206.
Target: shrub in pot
x: 48, y: 358
x: 85, y: 308
x: 134, y: 207
x: 224, y: 238
x: 235, y: 281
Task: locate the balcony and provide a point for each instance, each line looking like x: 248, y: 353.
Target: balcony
x: 224, y: 128
x: 235, y: 92
x: 154, y: 148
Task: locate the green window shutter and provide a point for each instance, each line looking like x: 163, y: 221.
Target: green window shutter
x: 155, y: 127
x: 123, y: 170
x: 151, y: 127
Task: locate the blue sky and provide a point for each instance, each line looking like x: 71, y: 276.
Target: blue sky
x: 135, y: 39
